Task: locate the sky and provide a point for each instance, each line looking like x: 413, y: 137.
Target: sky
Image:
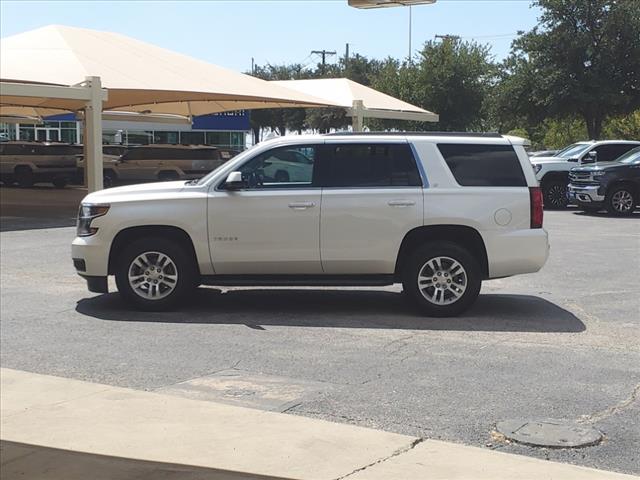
x: 231, y: 33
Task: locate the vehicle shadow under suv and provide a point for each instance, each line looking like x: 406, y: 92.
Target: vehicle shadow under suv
x: 352, y: 308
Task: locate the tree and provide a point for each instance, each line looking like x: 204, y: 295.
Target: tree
x: 278, y: 119
x: 583, y: 60
x: 623, y: 128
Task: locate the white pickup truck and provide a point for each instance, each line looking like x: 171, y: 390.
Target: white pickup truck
x: 553, y: 172
x: 438, y: 213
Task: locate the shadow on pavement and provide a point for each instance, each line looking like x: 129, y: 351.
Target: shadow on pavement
x: 22, y: 461
x: 38, y: 207
x: 342, y: 309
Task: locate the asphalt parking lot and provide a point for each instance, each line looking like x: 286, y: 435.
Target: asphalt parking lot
x: 563, y: 343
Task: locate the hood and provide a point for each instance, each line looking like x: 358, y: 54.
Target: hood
x: 593, y: 167
x: 135, y: 192
x: 535, y: 160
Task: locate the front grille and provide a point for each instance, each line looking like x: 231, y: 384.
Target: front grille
x: 578, y: 183
x: 579, y: 176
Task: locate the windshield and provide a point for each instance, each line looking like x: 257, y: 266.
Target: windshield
x: 573, y: 150
x: 241, y: 155
x: 632, y: 157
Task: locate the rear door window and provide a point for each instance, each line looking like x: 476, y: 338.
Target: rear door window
x: 610, y: 152
x: 483, y: 165
x: 369, y: 165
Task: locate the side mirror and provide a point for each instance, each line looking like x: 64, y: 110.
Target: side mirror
x: 591, y: 157
x: 234, y: 181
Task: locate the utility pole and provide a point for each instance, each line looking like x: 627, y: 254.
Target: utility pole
x: 253, y: 67
x: 324, y: 54
x: 346, y: 55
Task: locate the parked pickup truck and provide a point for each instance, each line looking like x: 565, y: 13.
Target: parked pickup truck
x: 438, y: 213
x: 553, y: 172
x: 614, y: 186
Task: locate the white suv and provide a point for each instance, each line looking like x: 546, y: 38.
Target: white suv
x: 436, y: 212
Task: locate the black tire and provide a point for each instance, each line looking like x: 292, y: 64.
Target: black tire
x: 183, y: 263
x: 59, y: 182
x: 555, y: 194
x: 24, y: 176
x: 109, y: 179
x: 621, y: 201
x: 416, y: 263
x: 282, y: 176
x: 168, y: 176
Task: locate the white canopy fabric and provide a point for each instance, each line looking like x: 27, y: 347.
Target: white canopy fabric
x: 139, y: 77
x: 344, y: 92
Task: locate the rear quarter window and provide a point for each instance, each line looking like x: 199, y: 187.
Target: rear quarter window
x: 483, y: 165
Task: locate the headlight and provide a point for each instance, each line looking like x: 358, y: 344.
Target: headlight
x: 86, y: 214
x: 537, y: 167
x: 598, y: 173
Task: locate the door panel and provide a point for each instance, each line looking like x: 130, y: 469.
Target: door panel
x: 362, y: 229
x: 265, y: 231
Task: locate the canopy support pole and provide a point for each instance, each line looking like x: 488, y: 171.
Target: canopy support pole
x: 93, y: 135
x: 357, y: 115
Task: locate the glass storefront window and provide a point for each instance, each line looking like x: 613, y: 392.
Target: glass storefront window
x: 139, y: 137
x: 165, y: 137
x: 192, y: 138
x: 27, y: 132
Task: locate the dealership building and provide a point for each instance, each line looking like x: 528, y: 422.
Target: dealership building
x: 227, y: 129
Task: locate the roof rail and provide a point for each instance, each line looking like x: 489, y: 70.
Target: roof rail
x: 422, y: 134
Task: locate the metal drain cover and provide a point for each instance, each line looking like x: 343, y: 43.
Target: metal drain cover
x: 549, y: 433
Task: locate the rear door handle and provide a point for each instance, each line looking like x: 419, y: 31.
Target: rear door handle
x: 401, y: 203
x: 301, y: 205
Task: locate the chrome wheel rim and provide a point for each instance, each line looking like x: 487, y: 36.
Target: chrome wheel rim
x: 622, y: 201
x: 442, y: 280
x: 153, y: 275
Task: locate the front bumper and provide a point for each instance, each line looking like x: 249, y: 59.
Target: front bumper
x: 588, y: 194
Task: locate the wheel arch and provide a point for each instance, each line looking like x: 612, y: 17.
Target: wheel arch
x: 634, y: 187
x: 128, y: 235
x: 555, y: 176
x: 465, y: 236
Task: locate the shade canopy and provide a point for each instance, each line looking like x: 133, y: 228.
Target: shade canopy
x: 344, y: 92
x: 139, y: 77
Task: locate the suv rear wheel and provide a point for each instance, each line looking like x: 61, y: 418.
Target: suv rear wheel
x: 555, y: 194
x: 155, y: 274
x: 621, y: 201
x: 442, y: 278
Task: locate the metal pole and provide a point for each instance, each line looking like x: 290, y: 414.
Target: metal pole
x: 410, y: 33
x: 357, y: 118
x: 93, y: 139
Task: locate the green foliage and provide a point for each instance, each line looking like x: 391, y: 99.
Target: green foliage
x: 560, y: 133
x: 518, y: 132
x: 623, y: 128
x: 583, y: 59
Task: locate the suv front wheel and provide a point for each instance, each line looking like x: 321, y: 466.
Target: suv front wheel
x: 155, y: 274
x: 442, y: 278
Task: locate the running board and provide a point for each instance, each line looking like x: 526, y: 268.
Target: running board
x: 299, y: 280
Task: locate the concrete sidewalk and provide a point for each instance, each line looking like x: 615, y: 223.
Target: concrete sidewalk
x: 58, y: 428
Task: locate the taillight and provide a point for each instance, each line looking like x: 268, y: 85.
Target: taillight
x: 535, y: 202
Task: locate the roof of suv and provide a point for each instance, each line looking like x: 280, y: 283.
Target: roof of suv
x: 176, y: 146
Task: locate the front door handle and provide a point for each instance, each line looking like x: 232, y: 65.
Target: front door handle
x: 301, y: 205
x: 401, y: 203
